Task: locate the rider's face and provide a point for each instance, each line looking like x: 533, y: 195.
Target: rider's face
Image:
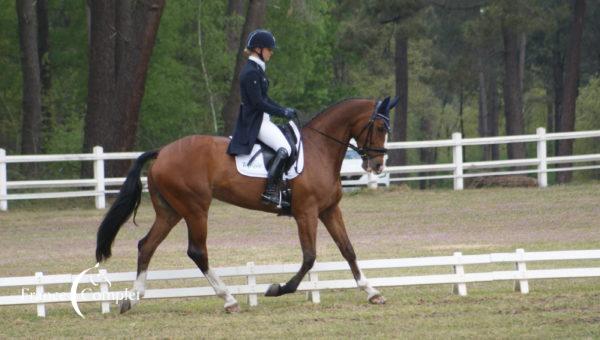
x: 267, y: 53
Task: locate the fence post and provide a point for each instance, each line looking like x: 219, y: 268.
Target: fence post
x: 253, y: 297
x: 3, y: 181
x: 39, y: 295
x: 541, y: 156
x: 99, y: 177
x: 371, y: 181
x: 104, y: 291
x: 457, y: 157
x: 459, y: 270
x: 314, y: 295
x: 521, y: 285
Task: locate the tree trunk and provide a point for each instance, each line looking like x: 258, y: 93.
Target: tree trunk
x: 558, y: 67
x: 522, y: 50
x: 573, y: 59
x: 32, y: 100
x: 44, y: 61
x: 98, y: 129
x: 482, y: 118
x: 400, y: 122
x: 493, y: 109
x: 131, y: 83
x: 513, y: 109
x: 122, y: 37
x: 233, y: 24
x: 255, y: 17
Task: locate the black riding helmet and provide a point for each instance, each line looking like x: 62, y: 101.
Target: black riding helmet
x: 260, y: 39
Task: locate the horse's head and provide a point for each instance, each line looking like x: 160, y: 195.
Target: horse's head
x: 370, y: 133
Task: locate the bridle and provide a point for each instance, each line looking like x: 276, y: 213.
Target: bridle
x: 365, y: 150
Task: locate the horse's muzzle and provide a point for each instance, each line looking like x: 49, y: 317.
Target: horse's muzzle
x: 375, y: 167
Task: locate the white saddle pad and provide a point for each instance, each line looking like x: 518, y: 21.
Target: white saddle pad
x: 257, y: 167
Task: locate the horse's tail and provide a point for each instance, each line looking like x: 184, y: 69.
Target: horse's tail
x: 126, y: 203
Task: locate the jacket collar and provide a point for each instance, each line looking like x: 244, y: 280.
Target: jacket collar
x: 259, y: 62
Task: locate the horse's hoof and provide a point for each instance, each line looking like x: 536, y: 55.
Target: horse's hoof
x: 125, y: 305
x: 235, y: 308
x: 273, y: 290
x: 377, y: 300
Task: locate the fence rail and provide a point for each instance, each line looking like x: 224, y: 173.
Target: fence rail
x: 459, y: 278
x: 455, y: 170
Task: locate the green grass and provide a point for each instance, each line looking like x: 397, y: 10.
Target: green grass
x: 59, y: 238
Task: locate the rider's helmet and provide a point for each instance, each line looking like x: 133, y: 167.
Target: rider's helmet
x: 260, y: 39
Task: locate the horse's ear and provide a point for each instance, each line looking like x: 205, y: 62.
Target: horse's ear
x: 382, y: 108
x: 393, y: 103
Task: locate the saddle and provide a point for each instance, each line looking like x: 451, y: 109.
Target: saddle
x: 268, y: 153
x: 258, y: 162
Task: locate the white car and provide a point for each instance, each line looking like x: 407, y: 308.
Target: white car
x: 352, y: 173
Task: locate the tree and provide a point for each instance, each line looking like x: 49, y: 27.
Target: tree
x: 513, y: 94
x: 32, y: 95
x: 255, y: 18
x: 571, y: 82
x: 122, y: 36
x: 44, y: 61
x: 400, y: 122
x: 233, y: 23
x: 399, y: 14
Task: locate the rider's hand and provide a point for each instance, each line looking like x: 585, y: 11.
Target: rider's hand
x: 289, y: 113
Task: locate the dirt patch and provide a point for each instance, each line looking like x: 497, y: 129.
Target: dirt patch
x: 501, y: 181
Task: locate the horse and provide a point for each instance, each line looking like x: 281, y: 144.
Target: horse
x: 188, y: 173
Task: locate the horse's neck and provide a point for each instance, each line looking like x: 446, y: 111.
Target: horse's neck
x: 334, y: 132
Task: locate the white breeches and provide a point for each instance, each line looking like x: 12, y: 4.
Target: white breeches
x: 271, y: 135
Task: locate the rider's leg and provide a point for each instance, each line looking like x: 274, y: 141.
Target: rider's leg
x: 271, y: 135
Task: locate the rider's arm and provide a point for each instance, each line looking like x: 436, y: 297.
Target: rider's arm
x: 257, y: 101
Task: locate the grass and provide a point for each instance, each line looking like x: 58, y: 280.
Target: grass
x: 59, y: 237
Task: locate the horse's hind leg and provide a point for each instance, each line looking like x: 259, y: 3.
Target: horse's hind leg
x: 197, y: 228
x: 166, y: 219
x: 333, y: 221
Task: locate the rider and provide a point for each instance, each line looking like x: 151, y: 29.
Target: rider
x: 254, y: 118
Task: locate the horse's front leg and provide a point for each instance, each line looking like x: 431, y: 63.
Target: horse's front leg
x: 307, y: 231
x: 333, y: 221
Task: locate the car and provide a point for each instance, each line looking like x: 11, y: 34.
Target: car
x: 353, y: 175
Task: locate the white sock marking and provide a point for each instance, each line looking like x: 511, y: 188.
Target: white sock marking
x: 220, y: 288
x: 365, y: 285
x: 140, y: 283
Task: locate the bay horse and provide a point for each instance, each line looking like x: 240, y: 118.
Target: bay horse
x: 188, y: 173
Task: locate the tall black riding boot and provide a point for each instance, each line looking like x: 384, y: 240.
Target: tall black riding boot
x: 271, y: 194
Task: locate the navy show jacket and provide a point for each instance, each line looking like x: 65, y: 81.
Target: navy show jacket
x: 253, y: 89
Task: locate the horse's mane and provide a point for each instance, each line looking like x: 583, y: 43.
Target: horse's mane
x: 318, y: 114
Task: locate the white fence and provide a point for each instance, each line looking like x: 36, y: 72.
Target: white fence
x: 456, y: 169
x: 459, y: 278
x: 458, y: 166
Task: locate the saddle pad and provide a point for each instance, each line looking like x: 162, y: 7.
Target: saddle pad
x: 257, y: 167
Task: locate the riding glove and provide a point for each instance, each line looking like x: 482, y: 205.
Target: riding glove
x: 289, y: 113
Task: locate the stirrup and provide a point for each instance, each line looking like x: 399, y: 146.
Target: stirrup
x: 277, y: 201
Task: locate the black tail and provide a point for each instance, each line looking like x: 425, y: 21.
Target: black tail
x: 126, y: 203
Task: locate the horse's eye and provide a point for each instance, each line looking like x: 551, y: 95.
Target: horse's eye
x: 381, y: 129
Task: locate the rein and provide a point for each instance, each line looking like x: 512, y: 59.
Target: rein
x: 366, y: 148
